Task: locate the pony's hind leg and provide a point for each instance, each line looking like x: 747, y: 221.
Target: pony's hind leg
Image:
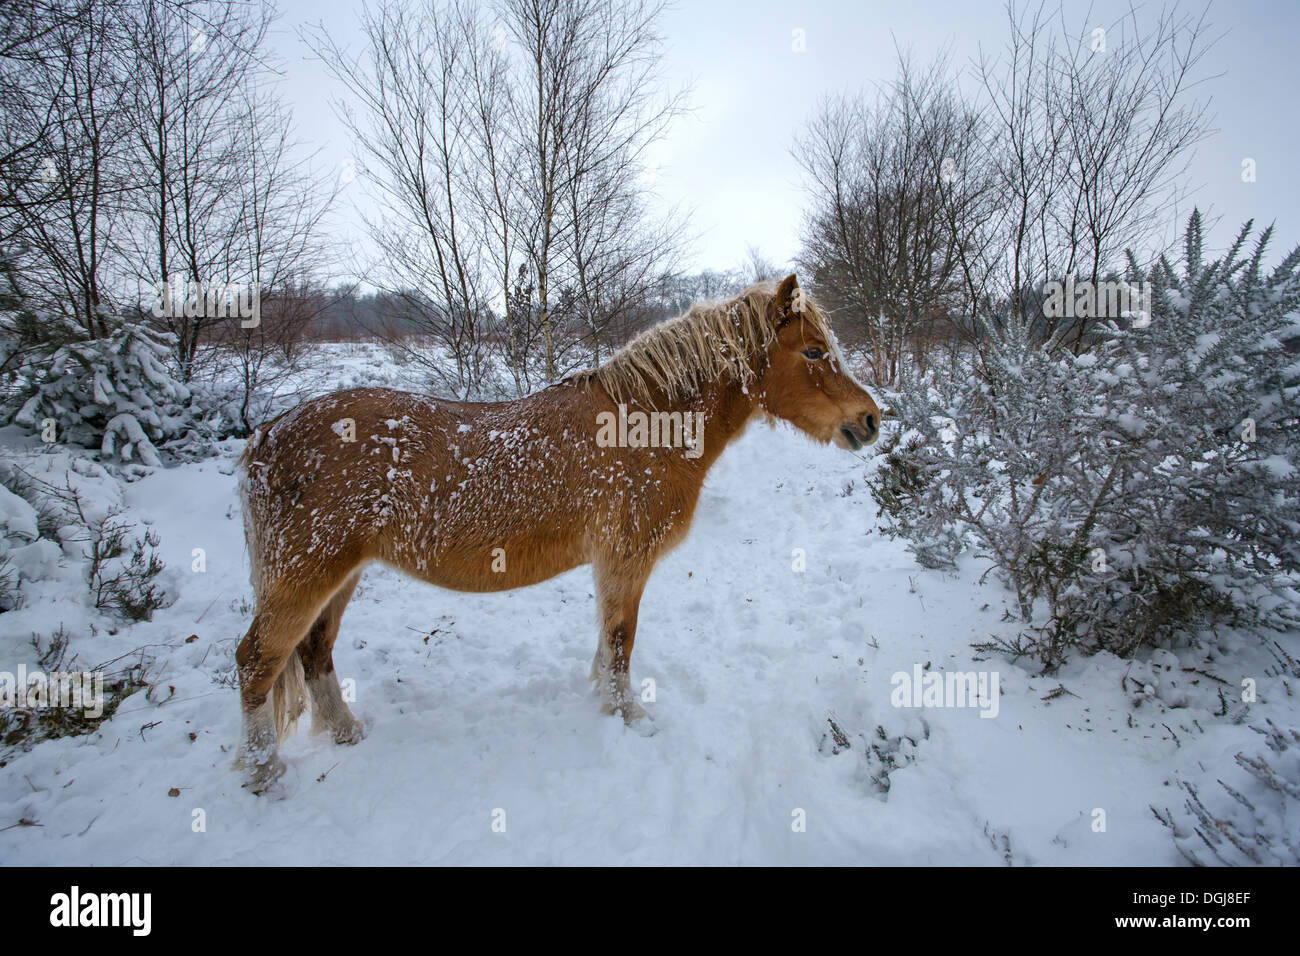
x: 271, y: 678
x: 329, y: 711
x: 619, y: 595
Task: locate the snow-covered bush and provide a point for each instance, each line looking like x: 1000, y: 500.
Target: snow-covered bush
x: 114, y: 393
x: 1147, y: 487
x: 24, y: 553
x: 126, y: 574
x: 67, y: 523
x: 23, y: 727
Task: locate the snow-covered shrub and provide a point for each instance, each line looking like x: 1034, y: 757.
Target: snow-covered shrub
x: 1147, y: 487
x: 28, y: 335
x: 883, y: 753
x: 1259, y: 828
x: 114, y: 393
x: 125, y: 570
x: 67, y: 520
x: 124, y: 573
x: 21, y: 728
x: 10, y: 597
x: 24, y: 554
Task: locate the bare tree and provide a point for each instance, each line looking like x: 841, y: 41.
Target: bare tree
x: 929, y: 204
x: 758, y: 268
x: 1090, y: 131
x: 414, y: 127
x: 619, y: 256
x: 159, y: 153
x: 595, y: 103
x: 506, y: 145
x: 876, y: 239
x: 278, y: 247
x: 64, y: 199
x: 495, y: 186
x: 191, y: 129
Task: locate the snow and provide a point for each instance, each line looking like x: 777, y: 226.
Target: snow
x: 1278, y: 465
x: 18, y: 516
x: 476, y: 704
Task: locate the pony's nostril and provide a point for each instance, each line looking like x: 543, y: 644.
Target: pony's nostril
x: 870, y: 421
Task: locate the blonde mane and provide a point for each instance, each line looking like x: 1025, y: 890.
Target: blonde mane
x: 708, y: 342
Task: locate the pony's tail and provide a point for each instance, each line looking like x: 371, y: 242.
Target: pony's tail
x: 249, y: 506
x: 289, y: 696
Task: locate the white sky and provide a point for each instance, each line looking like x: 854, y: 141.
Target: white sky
x: 729, y: 160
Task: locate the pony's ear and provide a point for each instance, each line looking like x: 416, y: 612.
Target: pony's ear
x: 784, y: 302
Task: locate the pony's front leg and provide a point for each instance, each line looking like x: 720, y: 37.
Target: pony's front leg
x: 619, y: 596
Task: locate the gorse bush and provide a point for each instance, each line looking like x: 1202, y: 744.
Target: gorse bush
x: 1146, y: 488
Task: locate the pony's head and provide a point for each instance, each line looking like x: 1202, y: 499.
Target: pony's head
x: 806, y: 381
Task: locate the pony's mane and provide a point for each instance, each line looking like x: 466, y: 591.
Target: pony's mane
x: 708, y: 342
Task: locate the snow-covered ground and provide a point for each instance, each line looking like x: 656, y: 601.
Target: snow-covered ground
x: 774, y: 736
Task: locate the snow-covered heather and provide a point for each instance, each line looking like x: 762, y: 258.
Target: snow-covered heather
x: 480, y: 703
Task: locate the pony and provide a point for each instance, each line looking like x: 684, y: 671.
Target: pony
x: 603, y: 468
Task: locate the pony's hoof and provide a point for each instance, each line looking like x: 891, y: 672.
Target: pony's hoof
x: 629, y: 710
x: 263, y: 777
x: 351, y: 734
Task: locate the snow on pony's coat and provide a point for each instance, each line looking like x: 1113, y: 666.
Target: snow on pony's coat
x: 500, y: 495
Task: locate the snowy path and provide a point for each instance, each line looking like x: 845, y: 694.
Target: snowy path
x: 480, y: 703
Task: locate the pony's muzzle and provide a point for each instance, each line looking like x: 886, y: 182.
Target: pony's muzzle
x: 861, y: 432
x: 872, y: 426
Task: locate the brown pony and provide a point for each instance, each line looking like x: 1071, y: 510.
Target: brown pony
x: 604, y: 468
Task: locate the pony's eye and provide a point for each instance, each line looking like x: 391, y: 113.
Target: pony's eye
x: 814, y: 354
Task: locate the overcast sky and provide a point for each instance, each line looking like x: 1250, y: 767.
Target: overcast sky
x: 729, y: 162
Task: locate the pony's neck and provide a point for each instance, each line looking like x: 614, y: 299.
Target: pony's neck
x: 727, y: 407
